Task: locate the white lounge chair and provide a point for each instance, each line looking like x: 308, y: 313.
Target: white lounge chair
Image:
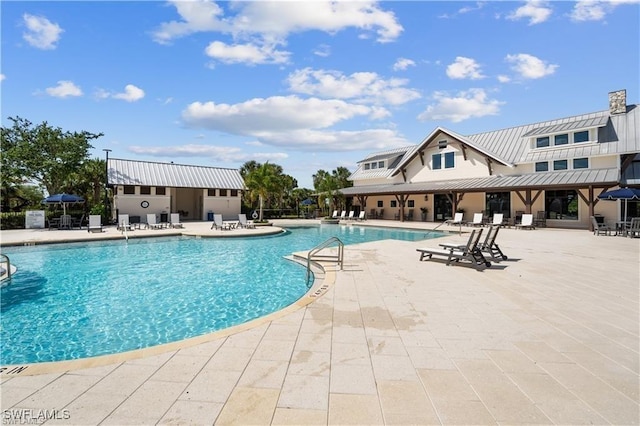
x: 343, y: 215
x: 152, y: 221
x: 95, y: 223
x: 244, y: 223
x: 335, y: 214
x: 526, y: 222
x: 457, y: 219
x: 123, y: 223
x: 469, y: 252
x: 478, y: 218
x: 361, y: 216
x: 175, y: 221
x: 350, y: 217
x: 218, y: 223
x: 498, y: 218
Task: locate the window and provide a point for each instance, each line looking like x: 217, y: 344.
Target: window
x: 561, y: 205
x: 436, y: 159
x: 581, y: 136
x: 129, y: 189
x: 367, y: 166
x: 498, y: 202
x: 562, y: 139
x: 381, y: 164
x: 580, y: 163
x: 161, y: 190
x: 394, y: 203
x: 211, y: 192
x: 560, y: 165
x: 449, y: 160
x: 374, y: 165
x: 145, y: 190
x: 542, y: 166
x: 442, y: 144
x: 542, y: 142
x: 223, y: 192
x: 234, y: 192
x: 380, y: 203
x: 410, y: 204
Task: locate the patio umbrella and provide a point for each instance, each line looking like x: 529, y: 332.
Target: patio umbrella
x: 63, y: 199
x: 625, y: 194
x: 308, y: 202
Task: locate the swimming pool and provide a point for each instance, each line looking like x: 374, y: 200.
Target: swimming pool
x: 71, y: 301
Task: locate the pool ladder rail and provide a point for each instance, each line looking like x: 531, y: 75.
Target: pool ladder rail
x: 5, y: 273
x: 314, y: 255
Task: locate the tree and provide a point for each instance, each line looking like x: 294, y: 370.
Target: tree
x: 262, y: 182
x: 328, y: 186
x: 42, y: 154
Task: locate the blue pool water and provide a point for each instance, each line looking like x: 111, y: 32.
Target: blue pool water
x: 70, y: 301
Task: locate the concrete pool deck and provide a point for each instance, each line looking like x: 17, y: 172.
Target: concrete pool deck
x: 550, y: 336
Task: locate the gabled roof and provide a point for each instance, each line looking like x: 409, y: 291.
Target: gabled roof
x: 129, y: 172
x: 573, y: 126
x: 395, y: 156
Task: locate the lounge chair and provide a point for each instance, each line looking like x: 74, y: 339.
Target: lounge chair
x: 350, y: 217
x: 123, y: 223
x: 343, y: 215
x: 634, y: 228
x: 489, y: 245
x: 469, y: 252
x: 152, y: 222
x: 218, y: 223
x: 95, y: 223
x: 175, y: 221
x: 335, y: 214
x: 244, y: 223
x: 600, y: 227
x: 361, y: 216
x: 478, y: 219
x: 457, y: 219
x: 526, y: 222
x: 498, y: 219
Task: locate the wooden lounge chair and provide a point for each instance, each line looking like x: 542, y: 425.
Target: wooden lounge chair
x: 244, y: 223
x: 600, y: 227
x: 470, y: 252
x: 175, y: 221
x: 95, y: 223
x: 526, y: 222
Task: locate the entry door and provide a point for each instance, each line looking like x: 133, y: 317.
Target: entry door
x: 442, y: 207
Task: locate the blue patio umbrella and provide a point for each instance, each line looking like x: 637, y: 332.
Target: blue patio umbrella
x: 308, y: 202
x: 625, y: 194
x: 63, y: 199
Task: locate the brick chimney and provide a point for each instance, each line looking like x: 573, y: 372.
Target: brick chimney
x: 618, y: 102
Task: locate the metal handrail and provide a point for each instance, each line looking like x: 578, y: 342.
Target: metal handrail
x: 313, y: 253
x: 8, y: 265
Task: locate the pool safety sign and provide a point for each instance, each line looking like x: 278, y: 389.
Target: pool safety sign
x: 34, y: 219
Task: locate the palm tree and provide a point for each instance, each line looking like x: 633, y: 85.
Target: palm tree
x: 262, y: 182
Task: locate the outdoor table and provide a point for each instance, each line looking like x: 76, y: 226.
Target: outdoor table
x: 232, y: 224
x: 65, y: 222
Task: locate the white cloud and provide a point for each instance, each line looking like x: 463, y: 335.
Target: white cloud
x: 64, y: 89
x: 131, y: 94
x: 596, y: 10
x: 535, y: 11
x: 246, y: 53
x: 364, y: 87
x: 402, y: 64
x: 473, y: 103
x: 504, y: 78
x: 2, y: 77
x: 197, y: 16
x: 323, y: 50
x: 530, y: 67
x: 41, y: 33
x: 464, y: 68
x: 223, y: 154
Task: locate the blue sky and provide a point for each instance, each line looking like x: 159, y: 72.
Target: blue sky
x: 307, y: 85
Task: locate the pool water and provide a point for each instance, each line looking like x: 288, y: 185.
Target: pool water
x: 71, y: 301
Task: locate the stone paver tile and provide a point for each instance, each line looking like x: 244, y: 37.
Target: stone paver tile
x: 353, y: 379
x: 420, y: 338
x: 249, y: 406
x: 292, y: 318
x: 282, y: 332
x: 393, y: 368
x: 154, y: 360
x: 447, y: 385
x: 191, y: 413
x: 348, y: 334
x: 316, y: 342
x: 347, y: 318
x: 59, y: 393
x: 148, y: 404
x: 513, y: 361
x: 457, y: 412
x: 124, y: 380
x: 406, y: 402
x: 264, y: 374
x: 305, y: 392
x: 91, y: 408
x: 12, y: 395
x: 211, y: 386
x: 503, y: 399
x: 246, y: 339
x: 203, y: 349
x: 430, y: 358
x: 560, y: 405
x: 348, y: 353
x: 607, y: 401
x: 383, y: 345
x: 463, y: 348
x: 180, y: 368
x: 310, y: 363
x: 31, y: 382
x: 541, y: 352
x: 229, y: 358
x: 96, y: 371
x: 316, y: 326
x: 274, y: 350
x: 295, y: 417
x: 345, y: 409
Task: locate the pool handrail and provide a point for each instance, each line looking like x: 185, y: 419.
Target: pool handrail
x: 313, y: 253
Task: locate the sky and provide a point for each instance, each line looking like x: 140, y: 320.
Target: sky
x: 308, y: 85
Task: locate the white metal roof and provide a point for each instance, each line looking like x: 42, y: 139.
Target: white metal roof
x: 129, y: 172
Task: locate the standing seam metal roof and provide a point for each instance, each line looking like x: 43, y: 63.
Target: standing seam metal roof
x: 129, y: 172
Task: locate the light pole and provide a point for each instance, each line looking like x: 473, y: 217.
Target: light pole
x: 107, y: 210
